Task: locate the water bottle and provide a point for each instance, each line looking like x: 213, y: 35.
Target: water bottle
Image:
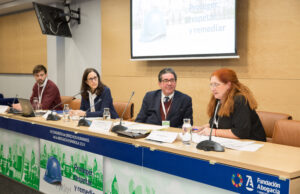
x: 66, y: 113
x: 186, y: 131
x: 106, y: 114
x: 35, y: 104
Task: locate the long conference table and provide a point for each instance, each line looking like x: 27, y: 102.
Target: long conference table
x: 102, y: 162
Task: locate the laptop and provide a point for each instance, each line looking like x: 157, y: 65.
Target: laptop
x: 27, y: 109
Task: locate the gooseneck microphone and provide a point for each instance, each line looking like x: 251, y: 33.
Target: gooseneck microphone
x: 209, y: 145
x: 11, y: 109
x: 83, y: 121
x: 51, y: 116
x: 119, y: 127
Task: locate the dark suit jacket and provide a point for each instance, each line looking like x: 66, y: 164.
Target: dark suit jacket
x: 181, y: 108
x: 106, y: 102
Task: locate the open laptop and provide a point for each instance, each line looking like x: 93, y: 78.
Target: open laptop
x: 27, y: 109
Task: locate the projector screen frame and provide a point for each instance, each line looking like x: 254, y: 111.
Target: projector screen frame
x: 233, y: 55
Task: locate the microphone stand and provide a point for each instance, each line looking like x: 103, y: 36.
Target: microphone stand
x: 83, y: 121
x: 209, y: 145
x: 51, y: 116
x: 119, y: 127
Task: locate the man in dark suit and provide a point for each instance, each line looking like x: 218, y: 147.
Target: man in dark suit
x: 166, y: 104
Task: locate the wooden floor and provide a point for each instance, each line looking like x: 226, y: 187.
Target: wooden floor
x: 9, y: 186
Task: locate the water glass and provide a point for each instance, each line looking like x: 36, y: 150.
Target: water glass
x: 106, y: 114
x: 66, y: 113
x: 186, y: 131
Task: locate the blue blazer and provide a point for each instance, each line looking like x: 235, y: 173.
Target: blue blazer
x: 106, y: 102
x: 181, y: 108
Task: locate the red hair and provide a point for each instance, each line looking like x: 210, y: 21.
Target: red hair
x: 226, y: 75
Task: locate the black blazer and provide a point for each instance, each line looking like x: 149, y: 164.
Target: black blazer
x: 181, y: 108
x: 243, y: 122
x: 106, y: 102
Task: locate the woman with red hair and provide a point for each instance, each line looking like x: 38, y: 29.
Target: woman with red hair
x: 232, y: 109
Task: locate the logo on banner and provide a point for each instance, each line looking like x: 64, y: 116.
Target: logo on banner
x: 53, y: 172
x: 237, y: 180
x: 249, y: 183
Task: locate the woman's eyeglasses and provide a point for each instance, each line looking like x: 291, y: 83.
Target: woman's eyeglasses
x: 215, y: 85
x: 92, y: 79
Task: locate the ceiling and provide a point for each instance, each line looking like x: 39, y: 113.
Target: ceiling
x: 12, y: 6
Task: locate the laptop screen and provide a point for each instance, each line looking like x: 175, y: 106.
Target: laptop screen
x: 27, y: 109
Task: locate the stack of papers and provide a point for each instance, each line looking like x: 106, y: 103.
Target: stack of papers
x: 100, y: 125
x: 162, y: 136
x: 3, y: 108
x: 229, y: 143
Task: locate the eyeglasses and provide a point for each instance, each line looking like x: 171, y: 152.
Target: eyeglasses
x: 215, y: 85
x: 93, y: 78
x: 168, y: 80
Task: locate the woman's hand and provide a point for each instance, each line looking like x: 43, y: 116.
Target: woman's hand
x: 200, y: 128
x: 17, y: 106
x: 204, y: 131
x: 77, y: 113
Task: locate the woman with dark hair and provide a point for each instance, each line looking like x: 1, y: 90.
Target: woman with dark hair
x: 95, y: 96
x: 232, y: 109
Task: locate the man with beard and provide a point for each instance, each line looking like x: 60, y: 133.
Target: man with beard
x: 44, y: 90
x: 166, y: 105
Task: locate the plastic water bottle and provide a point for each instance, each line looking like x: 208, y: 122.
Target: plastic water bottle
x: 106, y: 114
x: 186, y: 131
x: 66, y: 113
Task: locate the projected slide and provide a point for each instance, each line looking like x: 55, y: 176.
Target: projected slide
x: 182, y: 28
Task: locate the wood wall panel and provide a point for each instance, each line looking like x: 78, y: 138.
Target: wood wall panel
x: 22, y: 44
x: 268, y: 41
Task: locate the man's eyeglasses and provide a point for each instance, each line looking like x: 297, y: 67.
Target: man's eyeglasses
x: 168, y: 80
x: 93, y: 78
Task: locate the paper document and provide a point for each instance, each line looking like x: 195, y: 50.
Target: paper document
x: 100, y: 125
x: 93, y: 118
x: 162, y: 136
x: 229, y: 143
x: 3, y: 108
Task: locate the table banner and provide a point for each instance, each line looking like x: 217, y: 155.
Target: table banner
x: 19, y: 158
x: 64, y: 169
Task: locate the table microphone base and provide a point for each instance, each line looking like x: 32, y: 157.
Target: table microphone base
x: 208, y: 145
x: 84, y: 122
x: 52, y: 117
x: 118, y: 128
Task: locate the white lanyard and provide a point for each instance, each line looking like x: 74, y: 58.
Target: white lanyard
x: 216, y: 122
x: 164, y: 108
x: 92, y: 98
x: 44, y: 85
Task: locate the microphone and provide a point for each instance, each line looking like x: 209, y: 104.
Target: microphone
x: 11, y: 109
x: 14, y: 99
x: 119, y: 127
x: 209, y: 145
x: 51, y: 116
x: 83, y: 121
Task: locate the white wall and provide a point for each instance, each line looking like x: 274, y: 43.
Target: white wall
x: 12, y: 85
x: 67, y: 57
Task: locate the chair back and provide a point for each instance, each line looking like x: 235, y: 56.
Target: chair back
x: 287, y: 132
x: 74, y: 103
x: 120, y: 106
x: 268, y: 120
